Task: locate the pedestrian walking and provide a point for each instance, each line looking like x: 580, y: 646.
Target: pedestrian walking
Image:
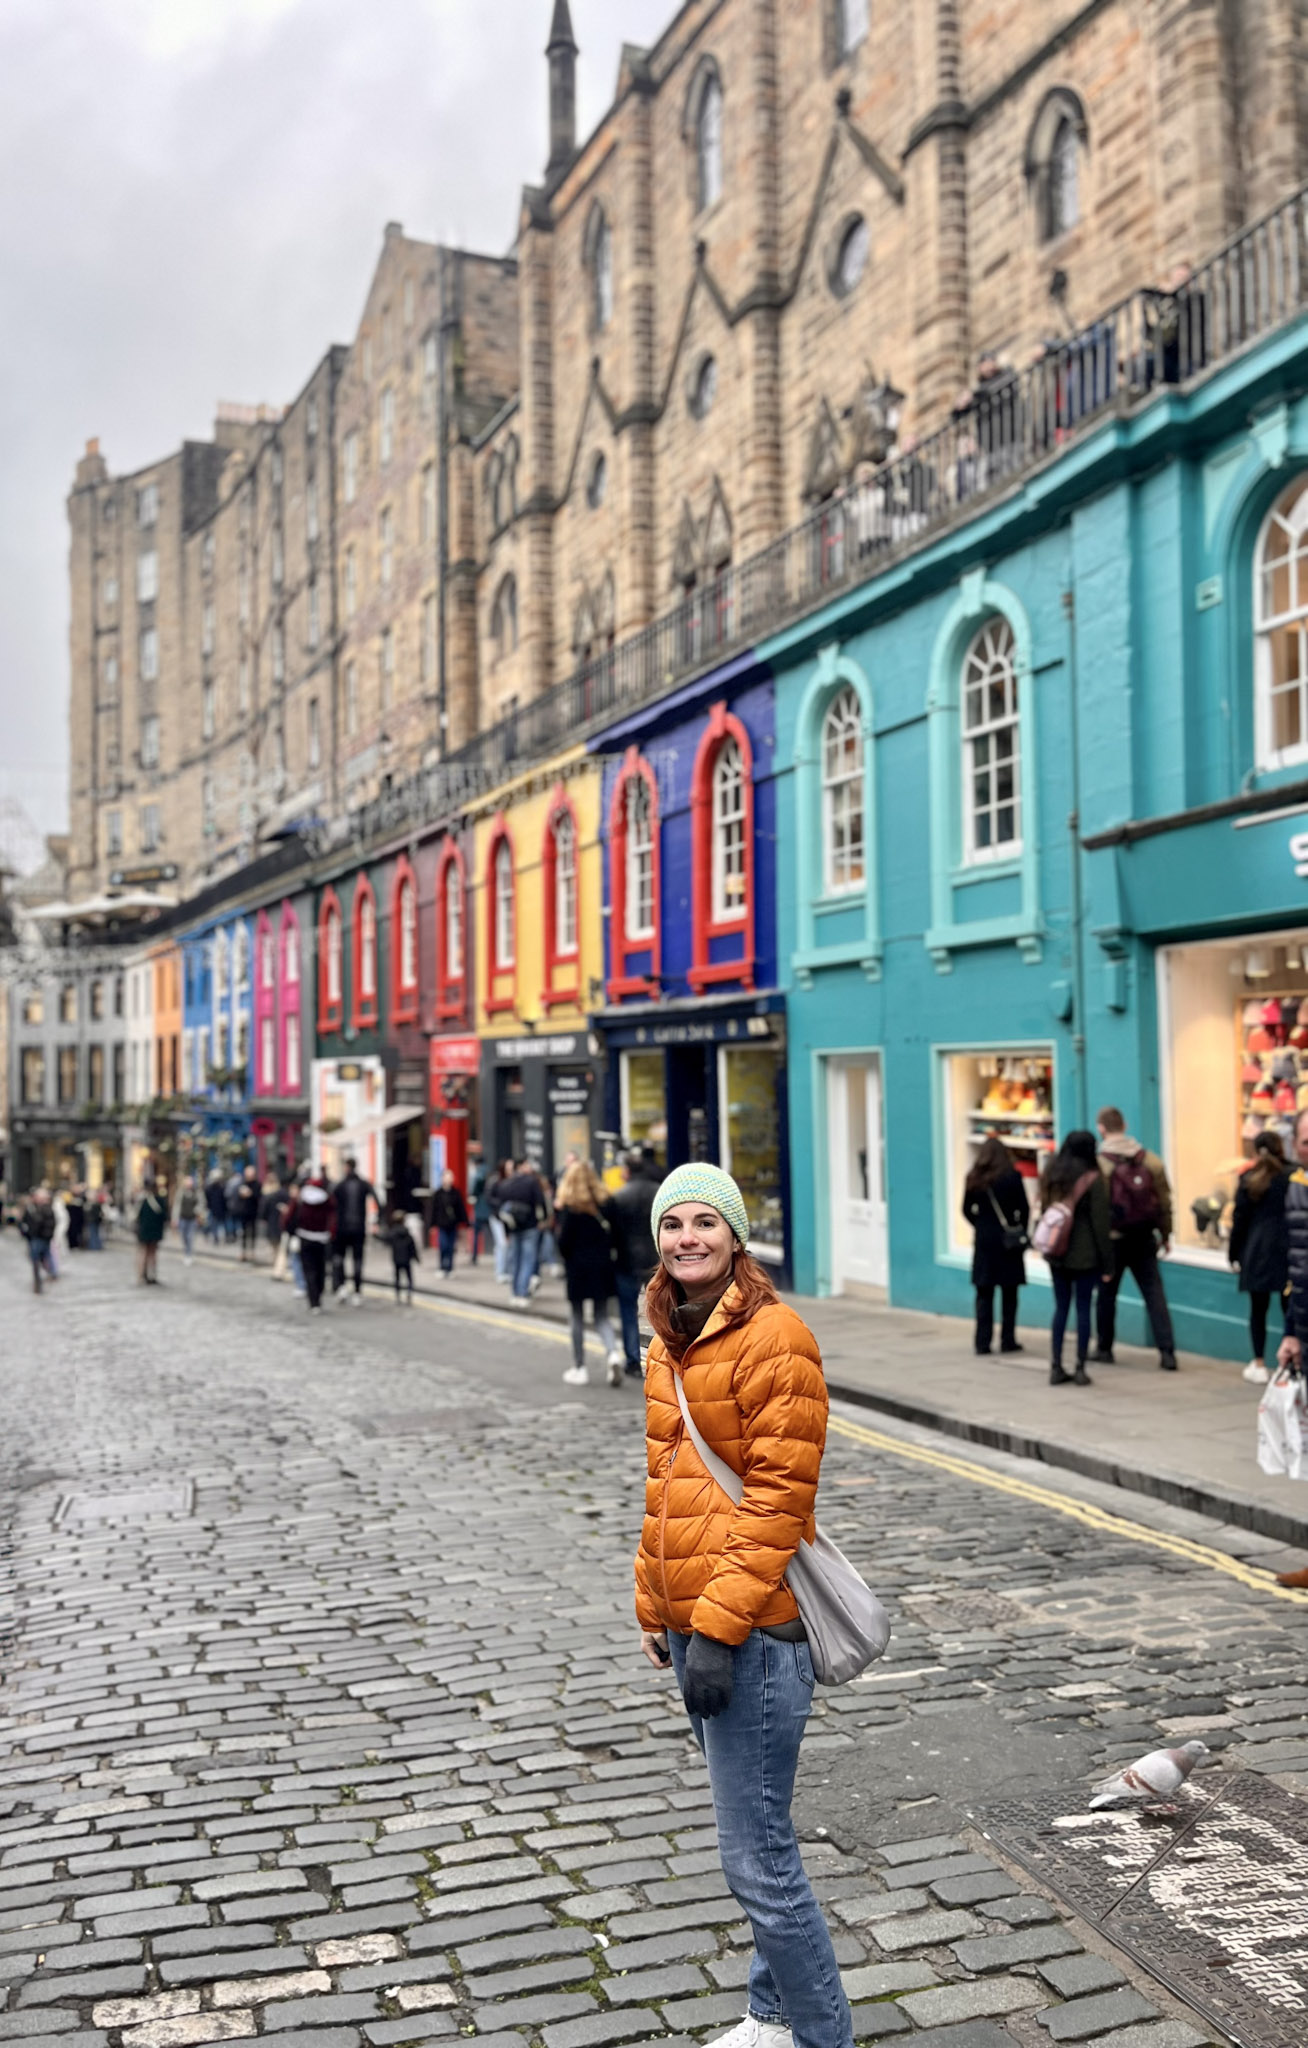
x: 585, y: 1243
x: 272, y: 1198
x: 1290, y: 1352
x: 404, y: 1252
x: 1257, y: 1247
x: 95, y: 1206
x: 711, y: 1595
x: 351, y: 1196
x: 313, y: 1224
x: 1075, y: 1234
x: 634, y: 1256
x: 450, y: 1215
x: 151, y: 1222
x: 76, y: 1204
x: 37, y: 1225
x: 499, y: 1229
x: 215, y: 1203
x: 232, y: 1196
x: 187, y: 1217
x: 995, y: 1204
x: 249, y: 1196
x: 59, y: 1245
x: 1140, y: 1197
x: 479, y: 1180
x: 522, y: 1211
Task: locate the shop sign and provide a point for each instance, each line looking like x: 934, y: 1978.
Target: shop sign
x: 515, y: 1049
x: 455, y: 1055
x: 1299, y: 855
x: 569, y: 1094
x: 349, y: 1070
x: 711, y: 1033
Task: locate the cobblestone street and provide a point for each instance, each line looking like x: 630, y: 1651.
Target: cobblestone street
x: 323, y: 1713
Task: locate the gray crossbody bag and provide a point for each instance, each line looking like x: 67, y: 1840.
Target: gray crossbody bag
x: 847, y: 1626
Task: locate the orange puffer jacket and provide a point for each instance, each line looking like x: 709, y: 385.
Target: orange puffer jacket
x: 760, y: 1401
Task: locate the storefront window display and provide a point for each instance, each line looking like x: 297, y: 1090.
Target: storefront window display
x: 751, y: 1140
x: 1001, y: 1093
x: 644, y: 1102
x: 1233, y: 1023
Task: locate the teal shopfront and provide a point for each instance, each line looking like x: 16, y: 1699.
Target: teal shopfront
x: 1045, y: 785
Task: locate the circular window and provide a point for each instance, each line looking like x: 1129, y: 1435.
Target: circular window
x: 704, y: 388
x: 851, y: 257
x: 598, y: 483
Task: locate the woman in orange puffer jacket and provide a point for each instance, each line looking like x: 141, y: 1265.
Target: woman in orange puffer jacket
x: 711, y: 1596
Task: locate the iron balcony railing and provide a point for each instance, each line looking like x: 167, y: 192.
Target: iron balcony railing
x: 1017, y: 419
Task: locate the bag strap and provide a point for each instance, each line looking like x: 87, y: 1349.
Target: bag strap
x: 717, y: 1468
x: 1007, y: 1221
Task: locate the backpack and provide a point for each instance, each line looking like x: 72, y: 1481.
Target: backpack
x: 1053, y: 1233
x: 1132, y: 1194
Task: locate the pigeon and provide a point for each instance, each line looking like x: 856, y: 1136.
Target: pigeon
x: 1158, y: 1776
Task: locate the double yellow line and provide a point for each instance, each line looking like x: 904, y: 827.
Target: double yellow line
x: 1075, y: 1510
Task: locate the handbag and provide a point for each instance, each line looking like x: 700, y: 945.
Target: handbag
x: 1281, y: 1426
x: 1014, y: 1236
x: 847, y: 1626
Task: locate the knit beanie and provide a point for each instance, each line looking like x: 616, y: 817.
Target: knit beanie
x: 704, y: 1184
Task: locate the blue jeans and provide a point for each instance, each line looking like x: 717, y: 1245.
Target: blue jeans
x: 751, y: 1752
x: 1064, y: 1285
x: 523, y: 1246
x: 448, y: 1240
x: 187, y: 1227
x: 628, y: 1286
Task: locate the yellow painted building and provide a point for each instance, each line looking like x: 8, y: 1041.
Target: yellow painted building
x: 536, y: 902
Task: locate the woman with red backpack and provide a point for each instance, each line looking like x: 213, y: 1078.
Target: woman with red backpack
x: 1075, y: 1233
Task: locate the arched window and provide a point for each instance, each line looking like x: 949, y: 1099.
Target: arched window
x: 847, y: 27
x: 331, y: 980
x: 564, y: 892
x: 708, y: 141
x: 404, y: 945
x: 451, y: 973
x: 265, y: 1005
x: 635, y: 937
x: 1054, y: 150
x: 290, y: 949
x: 722, y: 854
x: 597, y: 483
x: 851, y: 256
x: 504, y: 619
x: 842, y: 794
x: 289, y: 940
x: 365, y: 953
x: 559, y: 889
x: 992, y: 811
x: 267, y: 961
x: 1281, y: 632
x: 501, y: 921
x: 599, y: 262
x: 506, y: 934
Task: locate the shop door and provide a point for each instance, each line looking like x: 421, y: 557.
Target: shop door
x: 857, y: 1198
x: 691, y: 1109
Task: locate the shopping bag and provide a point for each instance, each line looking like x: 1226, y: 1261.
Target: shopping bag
x: 1281, y: 1426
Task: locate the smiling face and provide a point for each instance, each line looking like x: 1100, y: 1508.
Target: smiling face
x: 697, y: 1247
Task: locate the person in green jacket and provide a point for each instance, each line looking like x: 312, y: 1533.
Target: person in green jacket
x: 1073, y: 1177
x: 151, y: 1222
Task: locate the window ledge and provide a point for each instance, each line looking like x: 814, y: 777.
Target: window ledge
x: 852, y: 953
x: 840, y: 899
x: 996, y: 870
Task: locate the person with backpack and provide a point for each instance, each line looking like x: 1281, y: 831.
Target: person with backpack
x: 37, y: 1225
x: 995, y: 1204
x: 312, y: 1222
x: 522, y: 1210
x: 1074, y: 1234
x: 1140, y: 1198
x: 1258, y: 1248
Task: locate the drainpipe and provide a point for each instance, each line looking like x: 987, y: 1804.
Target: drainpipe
x: 442, y: 513
x: 1077, y: 888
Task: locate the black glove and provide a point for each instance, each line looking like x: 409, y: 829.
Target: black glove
x: 710, y: 1670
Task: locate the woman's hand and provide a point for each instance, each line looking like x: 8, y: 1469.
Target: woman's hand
x: 654, y: 1645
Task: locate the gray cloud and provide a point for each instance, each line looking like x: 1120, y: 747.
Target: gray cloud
x: 193, y: 198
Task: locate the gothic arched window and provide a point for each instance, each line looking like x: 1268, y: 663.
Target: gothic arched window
x: 842, y: 793
x: 708, y: 141
x: 599, y: 262
x: 1054, y: 152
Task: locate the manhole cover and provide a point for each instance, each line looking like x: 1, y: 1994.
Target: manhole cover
x: 1213, y: 1903
x: 421, y: 1422
x: 134, y: 1506
x: 965, y: 1611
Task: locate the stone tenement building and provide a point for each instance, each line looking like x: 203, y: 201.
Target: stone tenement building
x: 798, y: 230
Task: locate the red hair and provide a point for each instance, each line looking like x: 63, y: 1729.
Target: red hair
x: 754, y: 1288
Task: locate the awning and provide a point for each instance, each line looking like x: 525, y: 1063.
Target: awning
x: 373, y: 1126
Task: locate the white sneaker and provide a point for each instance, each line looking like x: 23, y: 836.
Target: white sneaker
x: 616, y: 1357
x: 752, y: 2033
x: 615, y: 1368
x: 576, y: 1376
x: 356, y: 1300
x: 1256, y: 1373
x: 533, y: 1285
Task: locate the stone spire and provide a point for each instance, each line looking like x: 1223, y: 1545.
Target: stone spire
x: 561, y: 50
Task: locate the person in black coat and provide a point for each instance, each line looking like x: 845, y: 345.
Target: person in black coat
x: 995, y: 1204
x: 586, y: 1248
x: 1259, y: 1249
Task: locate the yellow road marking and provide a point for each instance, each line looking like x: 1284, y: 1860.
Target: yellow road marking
x: 1075, y: 1510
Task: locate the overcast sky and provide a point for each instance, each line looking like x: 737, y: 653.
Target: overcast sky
x: 192, y: 196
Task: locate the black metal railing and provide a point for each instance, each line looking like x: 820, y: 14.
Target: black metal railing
x: 1017, y: 419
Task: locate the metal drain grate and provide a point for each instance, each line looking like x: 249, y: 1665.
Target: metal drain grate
x: 1214, y: 1903
x: 967, y: 1611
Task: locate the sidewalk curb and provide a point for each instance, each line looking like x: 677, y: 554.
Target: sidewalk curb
x: 1239, y: 1510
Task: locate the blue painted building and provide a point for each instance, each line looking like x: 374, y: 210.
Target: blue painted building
x: 217, y: 1027
x: 693, y: 1028
x: 1046, y: 785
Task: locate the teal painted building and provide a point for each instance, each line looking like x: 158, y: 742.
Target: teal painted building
x: 1046, y: 782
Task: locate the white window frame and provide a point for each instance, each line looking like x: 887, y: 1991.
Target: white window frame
x: 708, y: 143
x: 1289, y: 514
x: 603, y: 275
x: 150, y: 828
x: 386, y: 424
x: 505, y: 921
x: 291, y: 954
x: 729, y: 827
x: 853, y: 18
x: 565, y: 886
x: 639, y: 908
x: 291, y: 1054
x: 1064, y: 179
x: 843, y: 805
x: 334, y: 933
x: 453, y: 922
x: 150, y: 738
x: 386, y: 546
x: 367, y: 949
x: 208, y: 707
x: 315, y: 734
x: 268, y: 1053
x: 147, y: 505
x: 408, y: 922
x: 350, y: 466
x: 148, y: 654
x: 147, y: 576
x: 993, y: 645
